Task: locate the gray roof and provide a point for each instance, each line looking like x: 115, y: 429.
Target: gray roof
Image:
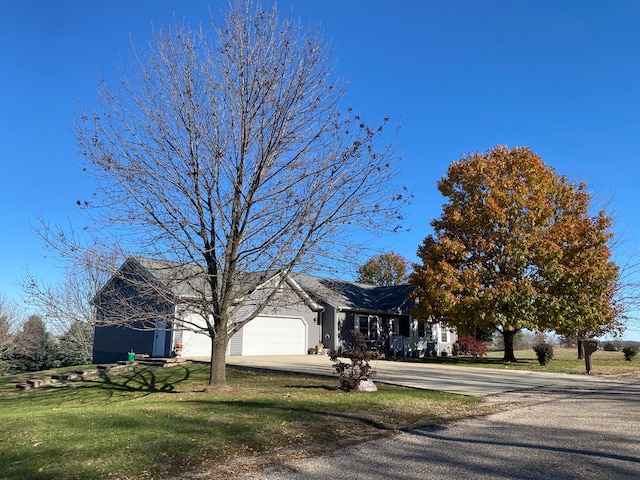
x: 346, y: 295
x: 183, y: 280
x: 187, y: 281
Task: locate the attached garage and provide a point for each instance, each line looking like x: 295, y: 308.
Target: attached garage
x: 271, y: 336
x: 289, y: 323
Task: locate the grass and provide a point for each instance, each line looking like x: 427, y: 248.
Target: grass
x: 565, y: 360
x: 151, y: 422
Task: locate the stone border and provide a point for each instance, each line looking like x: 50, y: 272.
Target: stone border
x: 57, y: 379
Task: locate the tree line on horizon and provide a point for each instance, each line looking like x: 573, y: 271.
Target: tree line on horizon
x: 27, y: 345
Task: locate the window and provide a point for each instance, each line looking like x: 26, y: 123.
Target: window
x: 444, y: 336
x: 393, y: 326
x: 425, y: 330
x: 369, y: 326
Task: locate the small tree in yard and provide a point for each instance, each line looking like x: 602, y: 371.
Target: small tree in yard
x: 544, y: 352
x: 229, y: 152
x: 629, y: 353
x: 72, y: 345
x: 358, y: 370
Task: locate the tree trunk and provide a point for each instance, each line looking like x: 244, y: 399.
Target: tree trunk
x: 218, y: 370
x: 509, y: 336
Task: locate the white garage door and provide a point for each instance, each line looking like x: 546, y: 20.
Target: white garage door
x: 274, y: 336
x: 195, y: 344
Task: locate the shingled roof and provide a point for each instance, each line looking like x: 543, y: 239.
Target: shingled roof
x: 187, y: 282
x: 355, y: 296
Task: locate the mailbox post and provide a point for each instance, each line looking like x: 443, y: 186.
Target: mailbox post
x: 588, y: 347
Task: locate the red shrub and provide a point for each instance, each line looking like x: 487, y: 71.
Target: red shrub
x: 471, y: 346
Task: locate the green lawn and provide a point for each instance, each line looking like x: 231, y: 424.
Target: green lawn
x: 152, y: 422
x: 565, y: 360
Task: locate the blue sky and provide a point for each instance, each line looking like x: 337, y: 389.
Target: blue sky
x: 559, y: 76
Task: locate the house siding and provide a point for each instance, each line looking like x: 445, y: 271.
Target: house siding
x: 112, y: 343
x: 114, y: 337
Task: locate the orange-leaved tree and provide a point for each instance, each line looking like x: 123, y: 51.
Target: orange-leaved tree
x: 516, y: 247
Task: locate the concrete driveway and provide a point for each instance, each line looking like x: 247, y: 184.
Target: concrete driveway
x: 472, y: 381
x: 556, y: 426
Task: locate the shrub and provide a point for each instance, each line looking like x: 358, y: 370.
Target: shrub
x: 470, y: 346
x: 629, y: 353
x: 610, y: 347
x: 351, y: 374
x: 544, y: 352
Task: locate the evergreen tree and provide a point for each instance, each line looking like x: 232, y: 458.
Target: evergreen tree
x: 34, y: 349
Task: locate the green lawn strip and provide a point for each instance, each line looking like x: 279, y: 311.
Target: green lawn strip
x: 565, y: 361
x: 152, y: 422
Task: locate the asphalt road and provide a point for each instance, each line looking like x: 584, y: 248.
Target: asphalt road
x: 580, y: 431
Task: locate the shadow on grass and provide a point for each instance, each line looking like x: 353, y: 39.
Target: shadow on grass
x: 145, y: 380
x: 206, y: 435
x: 284, y: 410
x: 312, y: 387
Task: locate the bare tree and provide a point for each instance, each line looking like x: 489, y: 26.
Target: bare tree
x: 11, y: 319
x: 230, y: 152
x: 67, y: 305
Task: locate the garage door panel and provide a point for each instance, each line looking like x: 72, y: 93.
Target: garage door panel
x: 274, y: 336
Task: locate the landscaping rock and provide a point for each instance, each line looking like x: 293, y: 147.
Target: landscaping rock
x: 35, y: 383
x: 367, y: 386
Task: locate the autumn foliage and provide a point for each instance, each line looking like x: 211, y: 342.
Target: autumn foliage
x: 516, y: 247
x: 470, y: 346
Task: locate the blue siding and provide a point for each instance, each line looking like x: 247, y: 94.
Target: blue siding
x: 117, y: 340
x: 112, y: 340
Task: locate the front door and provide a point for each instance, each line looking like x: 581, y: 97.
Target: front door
x: 160, y: 334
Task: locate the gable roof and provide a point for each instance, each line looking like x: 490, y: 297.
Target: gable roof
x: 186, y: 282
x: 182, y: 280
x: 344, y: 295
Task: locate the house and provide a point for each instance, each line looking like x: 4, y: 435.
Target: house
x: 158, y: 298
x: 381, y: 314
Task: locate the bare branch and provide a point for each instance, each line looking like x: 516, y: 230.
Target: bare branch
x: 227, y: 152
